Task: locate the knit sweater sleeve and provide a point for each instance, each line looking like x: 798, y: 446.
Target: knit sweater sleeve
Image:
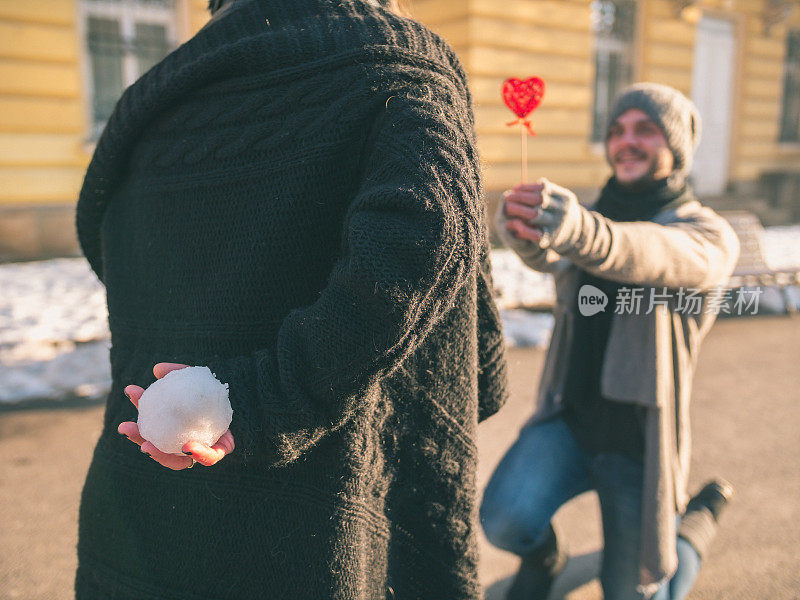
x: 492, y: 374
x: 410, y: 242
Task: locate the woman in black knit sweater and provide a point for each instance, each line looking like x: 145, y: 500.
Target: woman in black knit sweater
x: 293, y: 199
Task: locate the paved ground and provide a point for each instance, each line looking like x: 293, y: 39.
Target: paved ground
x: 746, y: 417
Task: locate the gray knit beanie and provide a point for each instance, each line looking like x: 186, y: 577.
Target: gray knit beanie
x: 677, y: 116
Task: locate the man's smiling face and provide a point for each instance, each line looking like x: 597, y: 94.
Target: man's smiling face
x: 637, y: 150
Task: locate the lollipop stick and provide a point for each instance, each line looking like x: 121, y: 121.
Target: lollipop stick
x: 524, y: 154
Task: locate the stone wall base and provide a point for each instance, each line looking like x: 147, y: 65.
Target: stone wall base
x: 34, y: 232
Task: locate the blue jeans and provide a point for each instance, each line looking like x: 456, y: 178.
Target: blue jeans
x: 543, y: 470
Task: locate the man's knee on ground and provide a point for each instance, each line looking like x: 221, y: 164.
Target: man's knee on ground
x: 510, y: 528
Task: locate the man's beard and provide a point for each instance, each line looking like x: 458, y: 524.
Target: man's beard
x: 648, y: 180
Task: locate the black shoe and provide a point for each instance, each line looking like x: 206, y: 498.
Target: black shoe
x: 714, y: 496
x: 538, y: 571
x: 699, y: 523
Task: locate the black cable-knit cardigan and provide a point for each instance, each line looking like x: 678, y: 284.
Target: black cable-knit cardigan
x: 293, y: 198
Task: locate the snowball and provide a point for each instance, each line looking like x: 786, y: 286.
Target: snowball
x: 189, y: 404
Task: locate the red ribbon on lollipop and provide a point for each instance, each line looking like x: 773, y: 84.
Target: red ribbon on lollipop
x: 523, y: 96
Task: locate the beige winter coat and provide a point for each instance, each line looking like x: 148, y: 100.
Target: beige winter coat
x: 650, y: 358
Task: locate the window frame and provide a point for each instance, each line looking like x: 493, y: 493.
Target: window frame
x: 790, y: 67
x: 128, y: 13
x: 621, y: 47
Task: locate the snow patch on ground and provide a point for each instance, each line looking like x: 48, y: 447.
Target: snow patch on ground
x: 518, y: 285
x: 54, y: 337
x: 58, y: 370
x: 781, y: 246
x: 526, y: 328
x: 51, y: 300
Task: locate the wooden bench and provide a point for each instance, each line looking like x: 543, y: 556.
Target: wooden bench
x: 752, y: 268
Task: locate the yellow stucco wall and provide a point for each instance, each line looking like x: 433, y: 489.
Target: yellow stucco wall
x: 551, y: 39
x: 759, y: 72
x: 44, y: 147
x: 41, y: 102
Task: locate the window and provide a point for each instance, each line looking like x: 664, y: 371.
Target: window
x: 123, y: 39
x: 790, y: 113
x: 614, y: 26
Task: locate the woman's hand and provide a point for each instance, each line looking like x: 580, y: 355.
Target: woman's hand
x: 195, y: 452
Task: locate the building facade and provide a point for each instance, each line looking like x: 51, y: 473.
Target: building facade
x: 737, y: 59
x: 63, y: 64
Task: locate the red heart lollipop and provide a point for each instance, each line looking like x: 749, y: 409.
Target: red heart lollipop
x: 523, y: 96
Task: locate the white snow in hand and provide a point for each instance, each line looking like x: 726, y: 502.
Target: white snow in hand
x: 186, y: 405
